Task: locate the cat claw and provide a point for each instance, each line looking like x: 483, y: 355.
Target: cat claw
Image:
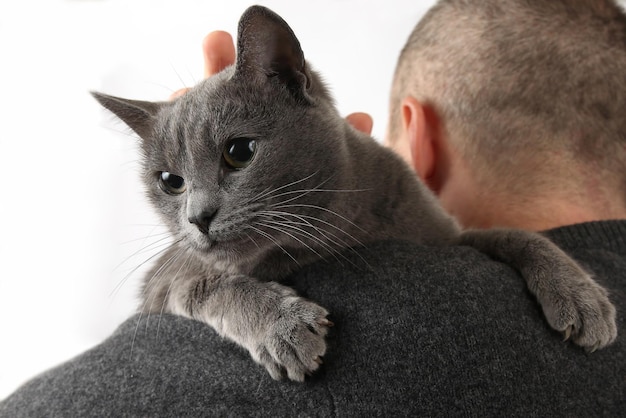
x: 567, y: 333
x: 295, y: 343
x: 586, y: 316
x: 326, y: 322
x: 318, y: 360
x: 591, y: 350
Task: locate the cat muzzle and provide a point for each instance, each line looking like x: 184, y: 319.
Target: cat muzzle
x: 202, y: 220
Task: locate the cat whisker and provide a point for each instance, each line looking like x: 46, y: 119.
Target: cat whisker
x: 324, y: 232
x: 316, y: 207
x: 305, y: 234
x: 329, y: 236
x: 155, y: 276
x: 304, y: 192
x: 130, y: 166
x: 149, y: 291
x: 159, y: 273
x: 163, y: 86
x: 178, y: 75
x: 153, y: 291
x: 125, y: 278
x: 256, y: 198
x: 282, y: 230
x: 146, y: 237
x: 293, y: 183
x: 339, y: 246
x: 303, y: 222
x: 126, y: 132
x: 269, y: 237
x: 144, y: 225
x: 251, y: 239
x: 307, y: 219
x: 143, y: 249
x: 146, y: 248
x: 185, y: 264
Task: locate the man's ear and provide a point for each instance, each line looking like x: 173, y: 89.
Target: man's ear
x: 419, y: 136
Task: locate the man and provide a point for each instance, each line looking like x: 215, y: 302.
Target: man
x: 515, y: 117
x: 512, y: 112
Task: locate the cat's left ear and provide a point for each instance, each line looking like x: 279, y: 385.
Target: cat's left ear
x: 140, y: 116
x: 267, y: 48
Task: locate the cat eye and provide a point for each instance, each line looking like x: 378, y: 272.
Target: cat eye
x: 171, y: 183
x: 239, y: 152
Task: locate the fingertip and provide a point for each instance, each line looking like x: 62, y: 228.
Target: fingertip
x: 216, y: 37
x: 179, y: 93
x: 361, y: 122
x: 218, y: 51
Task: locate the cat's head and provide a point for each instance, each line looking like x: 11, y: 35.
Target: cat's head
x: 237, y: 164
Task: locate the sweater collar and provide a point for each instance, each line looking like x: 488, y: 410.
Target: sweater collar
x: 608, y: 235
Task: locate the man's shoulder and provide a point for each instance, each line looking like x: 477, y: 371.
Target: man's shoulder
x: 467, y: 328
x: 389, y: 270
x: 419, y: 331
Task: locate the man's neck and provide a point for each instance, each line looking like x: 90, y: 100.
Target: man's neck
x: 540, y: 217
x: 537, y: 214
x: 476, y: 206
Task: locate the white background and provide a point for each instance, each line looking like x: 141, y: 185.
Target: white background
x: 70, y: 201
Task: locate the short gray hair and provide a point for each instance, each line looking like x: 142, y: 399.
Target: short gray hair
x: 516, y: 79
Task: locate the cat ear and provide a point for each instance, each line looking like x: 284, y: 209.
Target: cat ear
x: 267, y: 48
x: 138, y: 115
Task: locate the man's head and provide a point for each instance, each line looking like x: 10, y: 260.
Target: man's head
x: 525, y: 97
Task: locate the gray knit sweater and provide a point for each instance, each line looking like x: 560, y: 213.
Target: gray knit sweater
x: 427, y: 332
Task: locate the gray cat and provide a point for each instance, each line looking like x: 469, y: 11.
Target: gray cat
x: 256, y: 174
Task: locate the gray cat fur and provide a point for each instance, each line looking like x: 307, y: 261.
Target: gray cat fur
x: 315, y: 187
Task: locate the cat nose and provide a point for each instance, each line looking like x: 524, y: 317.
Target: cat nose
x: 202, y: 220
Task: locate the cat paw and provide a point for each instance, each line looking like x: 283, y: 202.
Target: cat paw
x: 295, y: 341
x: 584, y: 314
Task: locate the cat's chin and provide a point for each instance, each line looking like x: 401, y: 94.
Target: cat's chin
x: 207, y: 246
x: 225, y: 250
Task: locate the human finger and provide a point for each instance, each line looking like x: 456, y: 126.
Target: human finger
x: 218, y: 51
x: 179, y: 93
x: 361, y: 122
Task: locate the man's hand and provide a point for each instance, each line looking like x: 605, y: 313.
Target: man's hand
x: 361, y: 122
x: 218, y: 50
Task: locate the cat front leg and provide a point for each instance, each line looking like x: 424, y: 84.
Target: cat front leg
x: 573, y: 303
x: 282, y: 331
